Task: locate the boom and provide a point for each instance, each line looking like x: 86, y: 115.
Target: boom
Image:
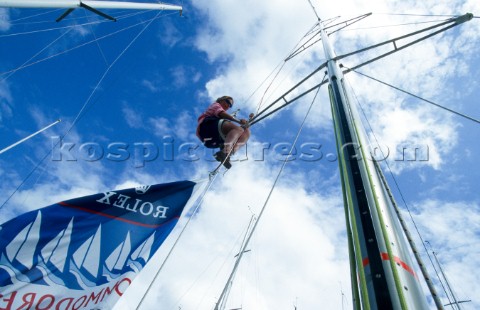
x: 92, y: 6
x: 72, y: 4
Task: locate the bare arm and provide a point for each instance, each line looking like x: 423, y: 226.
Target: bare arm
x: 225, y: 115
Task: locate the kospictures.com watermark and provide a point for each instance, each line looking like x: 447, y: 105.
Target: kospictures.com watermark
x: 167, y: 149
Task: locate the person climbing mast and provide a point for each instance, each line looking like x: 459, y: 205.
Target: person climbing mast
x: 216, y: 129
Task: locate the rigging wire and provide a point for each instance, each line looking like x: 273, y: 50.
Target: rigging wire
x: 257, y: 117
x: 226, y: 258
x: 418, y: 97
x: 95, y: 37
x: 416, y: 15
x: 314, y: 10
x: 49, y: 21
x: 280, y: 67
x: 13, y: 22
x: 394, y: 25
x: 420, y: 36
x: 47, y: 30
x: 253, y: 119
x: 222, y: 300
x: 438, y: 275
x: 80, y: 45
x: 295, y: 51
x: 404, y: 24
x: 450, y: 289
x: 262, y: 210
x: 25, y: 179
x: 128, y: 15
x: 12, y: 72
x: 258, y: 112
x: 81, y: 113
x: 194, y: 212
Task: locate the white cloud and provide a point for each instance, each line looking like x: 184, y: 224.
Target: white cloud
x: 59, y: 172
x: 427, y: 70
x: 183, y: 125
x: 297, y: 236
x: 81, y: 31
x: 299, y: 253
x: 161, y: 125
x: 180, y: 127
x: 5, y: 101
x: 184, y: 75
x: 180, y: 78
x: 132, y: 117
x: 451, y: 229
x: 4, y: 19
x: 248, y: 59
x: 254, y: 41
x: 403, y: 130
x: 169, y: 35
x: 151, y: 85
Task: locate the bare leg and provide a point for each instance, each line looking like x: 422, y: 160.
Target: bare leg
x: 234, y: 134
x: 242, y: 140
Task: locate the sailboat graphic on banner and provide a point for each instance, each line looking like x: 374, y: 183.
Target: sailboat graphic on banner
x: 116, y: 261
x: 141, y: 255
x: 18, y: 258
x: 24, y: 262
x: 91, y: 244
x: 86, y: 260
x: 53, y: 262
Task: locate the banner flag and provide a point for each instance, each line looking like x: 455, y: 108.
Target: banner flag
x: 83, y: 253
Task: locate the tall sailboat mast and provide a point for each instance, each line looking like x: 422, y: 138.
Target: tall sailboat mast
x: 382, y: 272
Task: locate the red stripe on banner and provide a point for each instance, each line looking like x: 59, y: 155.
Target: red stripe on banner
x: 116, y: 217
x: 384, y: 256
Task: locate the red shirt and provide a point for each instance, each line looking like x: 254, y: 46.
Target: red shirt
x: 213, y: 110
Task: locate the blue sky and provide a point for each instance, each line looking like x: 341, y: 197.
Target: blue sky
x: 151, y: 96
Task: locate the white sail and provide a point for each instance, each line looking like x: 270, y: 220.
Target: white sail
x: 92, y: 260
x: 56, y: 250
x: 88, y: 254
x: 22, y: 248
x: 13, y: 247
x: 143, y: 251
x: 119, y: 256
x: 81, y: 253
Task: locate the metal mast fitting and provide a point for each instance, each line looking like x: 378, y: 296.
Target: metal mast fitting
x: 383, y: 276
